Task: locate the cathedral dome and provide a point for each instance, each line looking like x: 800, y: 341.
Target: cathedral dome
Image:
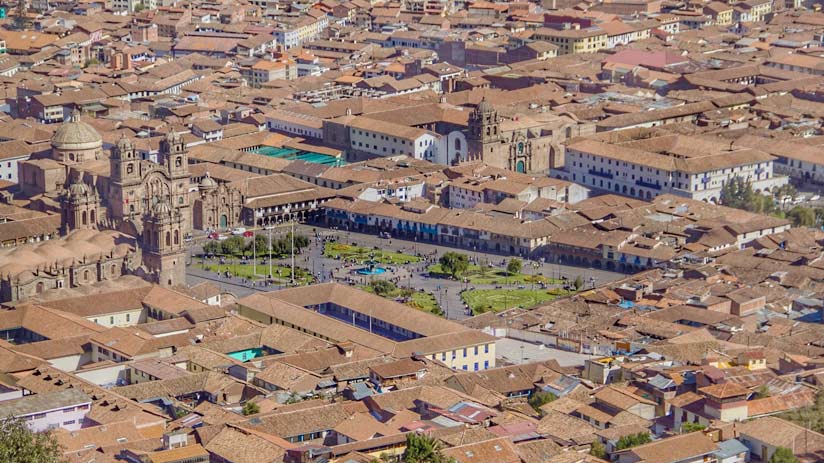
x: 76, y: 135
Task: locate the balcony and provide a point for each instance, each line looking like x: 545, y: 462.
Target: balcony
x: 599, y: 173
x: 644, y: 184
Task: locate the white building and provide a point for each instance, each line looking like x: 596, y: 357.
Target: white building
x: 294, y: 123
x: 383, y: 138
x: 11, y: 154
x: 64, y: 409
x: 649, y: 163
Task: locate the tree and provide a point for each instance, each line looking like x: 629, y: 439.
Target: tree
x: 250, y: 408
x: 540, y: 398
x: 763, y: 392
x: 783, y: 455
x: 801, y: 216
x: 738, y: 193
x: 633, y: 440
x: 421, y: 448
x: 597, y: 450
x: 578, y: 283
x: 233, y: 245
x: 260, y: 244
x: 688, y: 427
x: 483, y: 267
x: 514, y: 266
x: 382, y: 287
x: 19, y: 445
x: 213, y: 247
x: 811, y: 417
x: 454, y: 263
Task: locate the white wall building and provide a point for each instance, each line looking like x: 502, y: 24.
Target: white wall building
x: 384, y: 138
x: 683, y: 166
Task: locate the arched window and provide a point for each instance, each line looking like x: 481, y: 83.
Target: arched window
x: 457, y: 144
x: 114, y: 269
x: 85, y: 275
x: 177, y: 237
x: 129, y: 168
x: 92, y: 217
x: 178, y: 162
x: 520, y: 147
x: 83, y: 218
x: 168, y: 239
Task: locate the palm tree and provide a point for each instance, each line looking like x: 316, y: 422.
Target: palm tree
x: 421, y: 448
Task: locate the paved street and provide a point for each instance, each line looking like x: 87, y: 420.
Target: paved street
x: 447, y: 292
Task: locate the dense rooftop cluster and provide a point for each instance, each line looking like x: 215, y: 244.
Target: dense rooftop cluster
x: 672, y: 149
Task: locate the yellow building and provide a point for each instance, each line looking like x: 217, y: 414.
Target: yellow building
x: 721, y: 13
x: 574, y: 40
x: 342, y: 314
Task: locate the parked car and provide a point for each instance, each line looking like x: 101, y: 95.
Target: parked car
x: 214, y: 235
x: 238, y: 231
x: 815, y: 197
x: 248, y: 234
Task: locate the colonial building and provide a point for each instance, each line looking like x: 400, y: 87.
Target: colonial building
x: 522, y: 143
x: 137, y: 186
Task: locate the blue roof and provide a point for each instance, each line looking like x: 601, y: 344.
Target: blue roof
x: 729, y: 448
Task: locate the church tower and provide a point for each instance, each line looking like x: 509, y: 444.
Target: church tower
x: 79, y: 207
x: 125, y: 174
x: 163, y: 249
x: 124, y: 164
x: 173, y: 155
x: 484, y: 131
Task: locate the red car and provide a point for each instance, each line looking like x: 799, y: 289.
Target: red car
x: 248, y: 234
x: 214, y: 235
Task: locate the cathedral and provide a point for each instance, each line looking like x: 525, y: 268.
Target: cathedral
x: 523, y: 143
x: 144, y: 202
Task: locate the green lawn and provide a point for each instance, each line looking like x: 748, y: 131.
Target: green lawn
x: 282, y: 273
x: 484, y: 300
x: 493, y: 276
x: 348, y: 251
x: 417, y: 300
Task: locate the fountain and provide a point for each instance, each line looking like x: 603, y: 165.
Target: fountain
x: 371, y: 269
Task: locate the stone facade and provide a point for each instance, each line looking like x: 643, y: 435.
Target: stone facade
x: 136, y: 185
x: 218, y: 206
x: 521, y: 144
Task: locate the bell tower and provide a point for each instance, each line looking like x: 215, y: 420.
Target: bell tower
x: 124, y: 164
x: 173, y: 155
x: 163, y: 249
x: 484, y: 123
x: 484, y: 132
x: 79, y: 207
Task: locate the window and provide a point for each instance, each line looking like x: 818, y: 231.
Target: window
x: 111, y: 320
x: 486, y: 348
x: 464, y: 352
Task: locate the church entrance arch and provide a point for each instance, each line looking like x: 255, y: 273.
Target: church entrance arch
x: 520, y: 167
x: 224, y: 221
